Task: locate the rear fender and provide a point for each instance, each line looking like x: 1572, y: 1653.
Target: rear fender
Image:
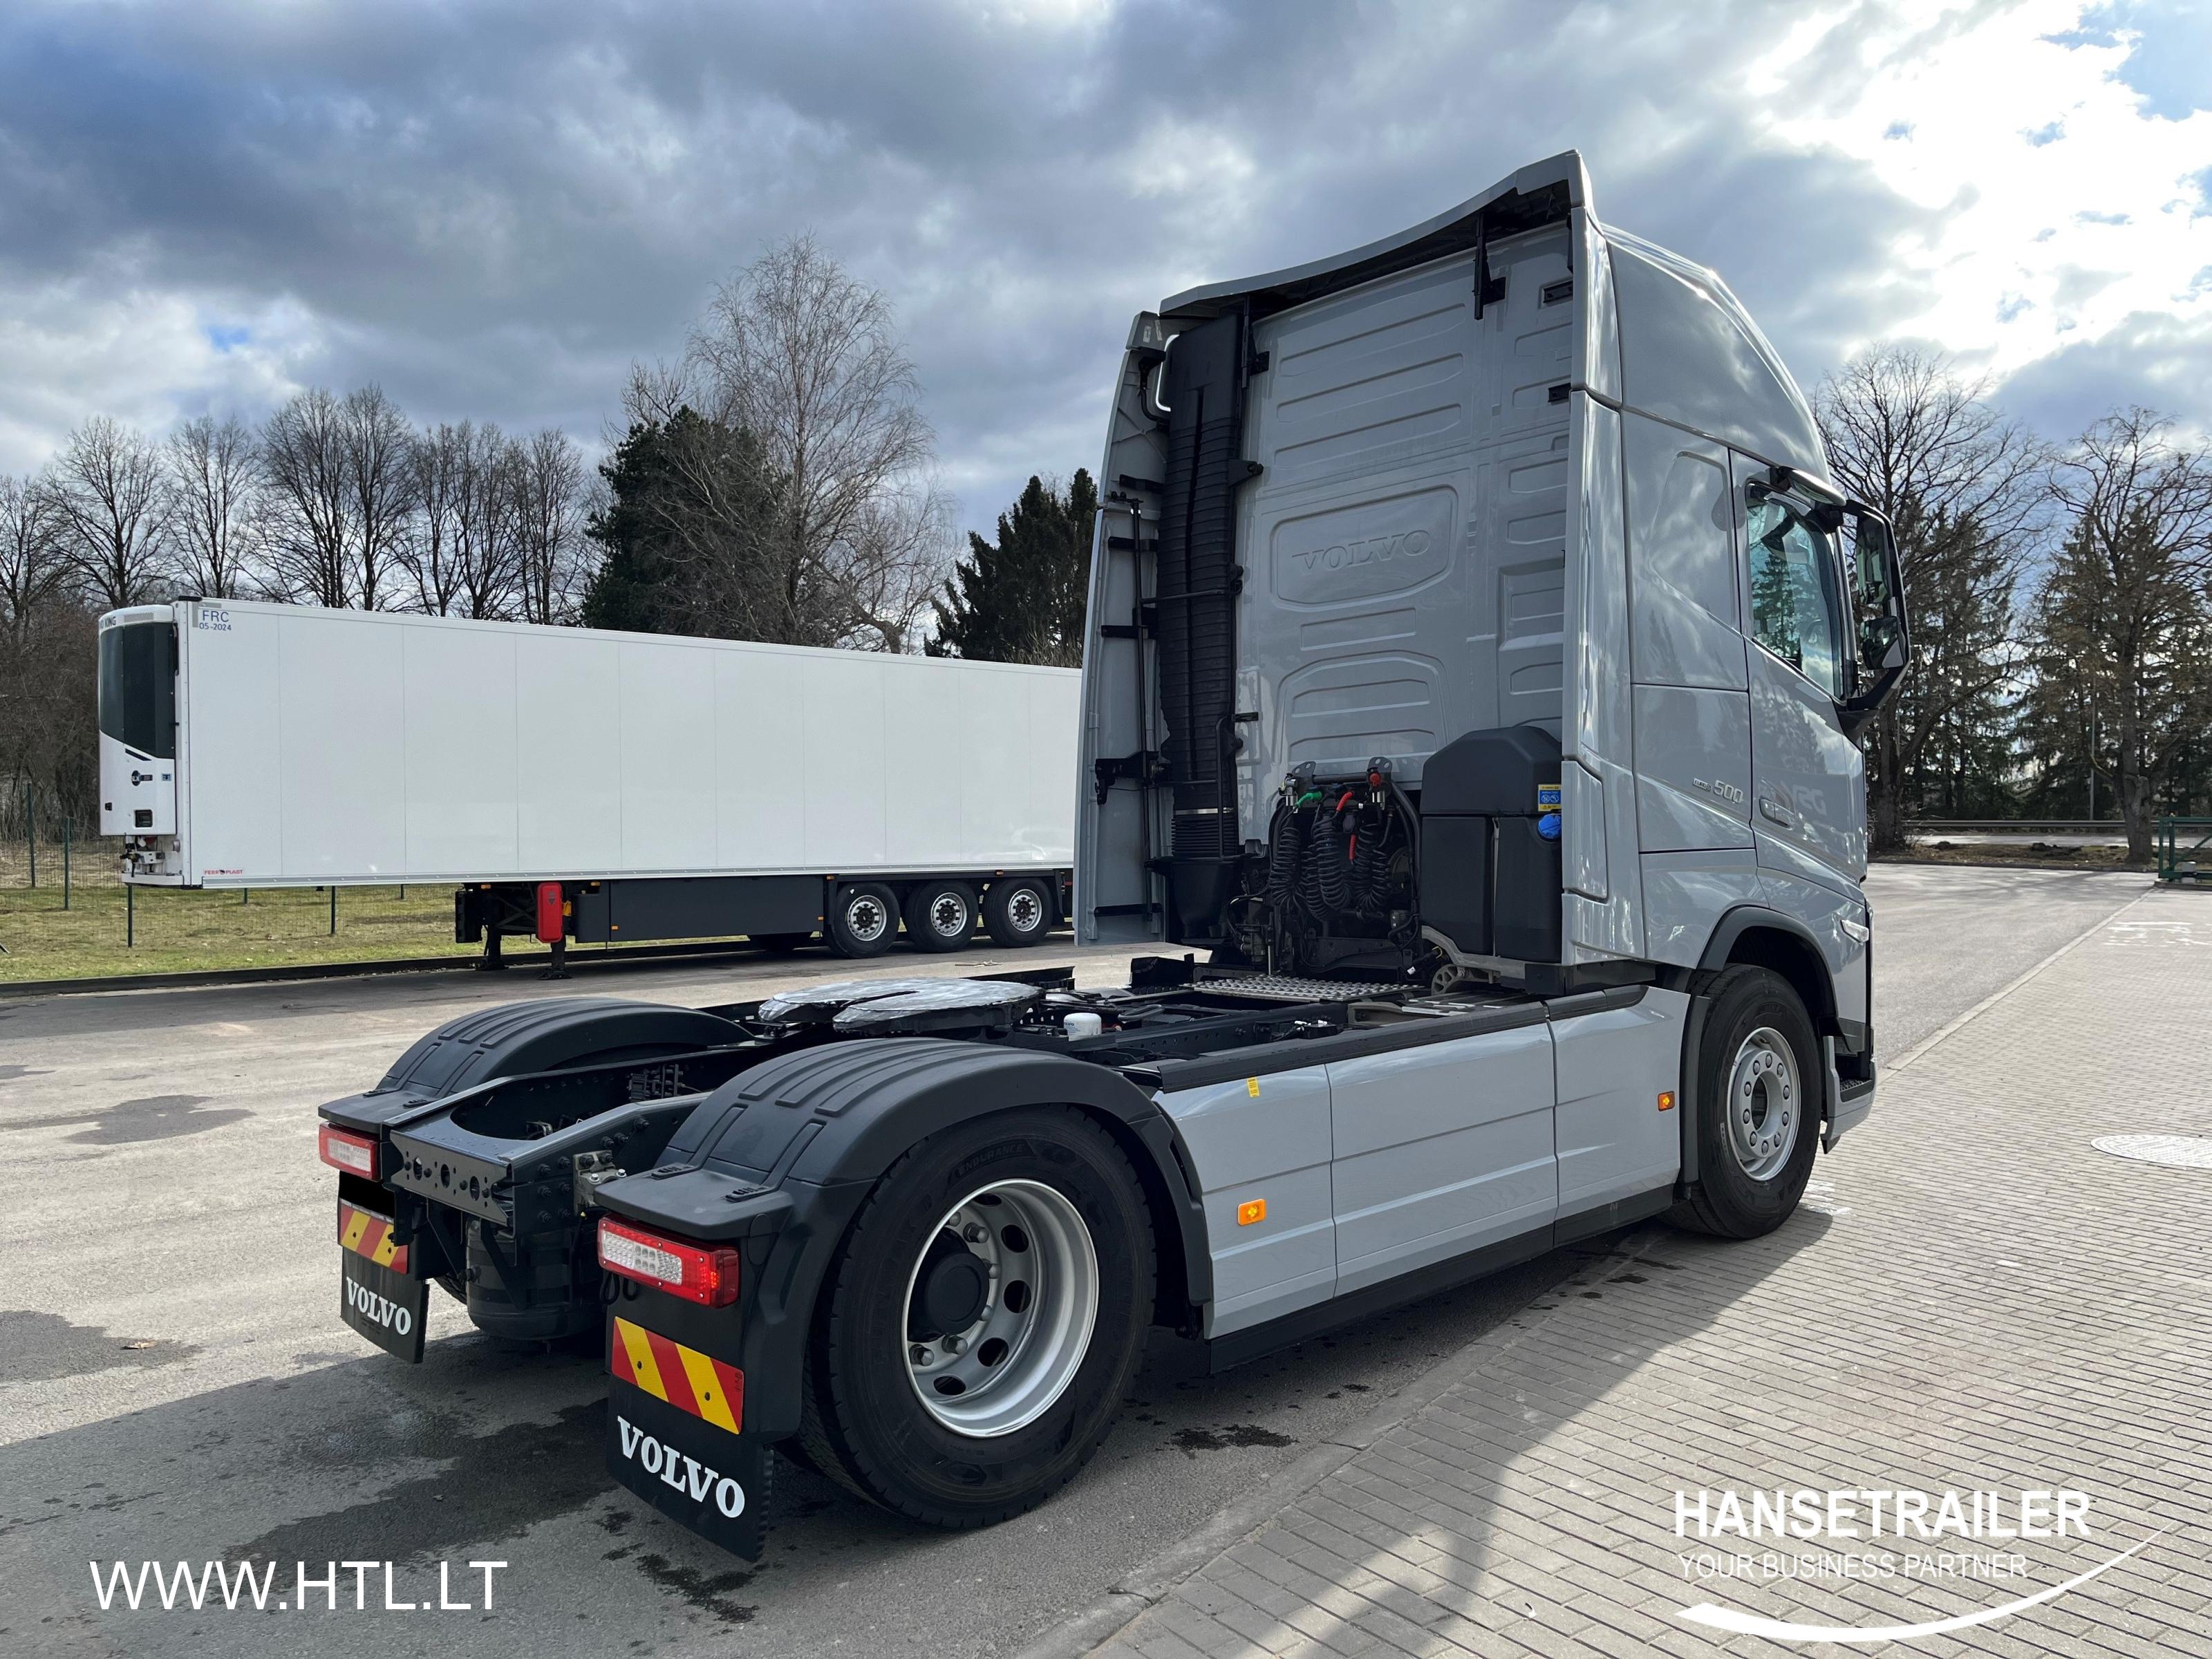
x: 807, y: 1135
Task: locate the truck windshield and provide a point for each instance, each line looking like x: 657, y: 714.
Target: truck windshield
x: 139, y: 687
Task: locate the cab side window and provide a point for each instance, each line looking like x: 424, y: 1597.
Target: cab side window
x: 1795, y: 611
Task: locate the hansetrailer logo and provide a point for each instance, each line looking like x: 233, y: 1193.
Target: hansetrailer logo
x: 674, y: 1469
x: 240, y: 1586
x: 1918, y: 1536
x: 381, y: 1309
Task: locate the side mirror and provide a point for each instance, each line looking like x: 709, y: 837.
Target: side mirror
x: 1882, y: 643
x: 1882, y: 637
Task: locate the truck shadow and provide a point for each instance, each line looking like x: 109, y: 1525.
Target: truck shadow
x: 460, y: 1458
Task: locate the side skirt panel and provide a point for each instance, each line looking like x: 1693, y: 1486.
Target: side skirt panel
x: 1225, y: 1352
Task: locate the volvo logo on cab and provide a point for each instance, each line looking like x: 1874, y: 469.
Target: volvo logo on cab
x: 682, y: 1473
x: 1371, y: 550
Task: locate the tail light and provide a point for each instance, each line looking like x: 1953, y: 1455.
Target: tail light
x: 355, y: 1154
x: 705, y: 1274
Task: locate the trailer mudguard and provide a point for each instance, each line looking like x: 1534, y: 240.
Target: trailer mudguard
x: 516, y: 1038
x: 795, y: 1144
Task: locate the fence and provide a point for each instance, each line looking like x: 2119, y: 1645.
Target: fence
x: 2184, y: 851
x: 66, y: 914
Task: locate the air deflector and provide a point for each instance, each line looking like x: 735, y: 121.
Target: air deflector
x: 1196, y: 591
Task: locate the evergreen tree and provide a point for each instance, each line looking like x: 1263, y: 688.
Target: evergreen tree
x: 1021, y: 598
x: 690, y: 505
x: 2122, y: 682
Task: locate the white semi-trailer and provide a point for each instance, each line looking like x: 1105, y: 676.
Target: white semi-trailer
x: 576, y: 785
x: 1477, y: 643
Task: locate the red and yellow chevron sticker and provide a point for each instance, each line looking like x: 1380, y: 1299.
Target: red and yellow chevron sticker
x: 366, y: 1233
x: 691, y: 1381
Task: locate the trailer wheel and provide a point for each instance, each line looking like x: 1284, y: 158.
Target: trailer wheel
x: 940, y: 915
x: 863, y: 919
x: 983, y: 1321
x: 1018, y: 912
x: 1758, y: 1105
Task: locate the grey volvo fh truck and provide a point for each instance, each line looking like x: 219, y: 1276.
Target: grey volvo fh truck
x: 1476, y: 644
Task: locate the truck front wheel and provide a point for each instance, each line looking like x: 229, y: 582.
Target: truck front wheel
x: 983, y: 1321
x: 1758, y: 1106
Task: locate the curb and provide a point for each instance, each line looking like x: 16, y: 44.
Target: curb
x: 1153, y: 1580
x: 628, y: 955
x: 2092, y: 931
x: 1892, y: 860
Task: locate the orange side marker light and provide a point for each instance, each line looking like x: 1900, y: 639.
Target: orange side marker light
x: 1251, y: 1210
x: 1666, y: 1100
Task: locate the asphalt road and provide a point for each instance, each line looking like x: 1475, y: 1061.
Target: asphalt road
x: 175, y: 1382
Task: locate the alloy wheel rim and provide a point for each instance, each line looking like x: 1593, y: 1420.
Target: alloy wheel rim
x: 864, y: 918
x: 1006, y: 1365
x: 1764, y: 1104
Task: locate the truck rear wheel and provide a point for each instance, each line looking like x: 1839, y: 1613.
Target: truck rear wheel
x: 983, y: 1321
x: 1018, y: 912
x: 1758, y: 1106
x: 940, y: 915
x: 863, y: 919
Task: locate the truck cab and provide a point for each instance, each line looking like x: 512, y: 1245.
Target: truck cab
x: 1521, y: 517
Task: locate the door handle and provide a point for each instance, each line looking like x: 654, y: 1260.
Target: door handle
x: 1774, y: 811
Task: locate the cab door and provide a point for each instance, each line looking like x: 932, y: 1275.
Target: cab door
x: 1809, y: 798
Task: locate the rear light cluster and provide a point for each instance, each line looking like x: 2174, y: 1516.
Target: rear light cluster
x: 355, y: 1154
x: 705, y: 1274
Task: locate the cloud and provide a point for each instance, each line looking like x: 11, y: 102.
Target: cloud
x: 2155, y: 359
x: 492, y: 210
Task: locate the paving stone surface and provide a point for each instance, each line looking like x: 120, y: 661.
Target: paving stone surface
x: 1972, y: 1298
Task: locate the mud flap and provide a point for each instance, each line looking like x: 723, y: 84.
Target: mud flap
x: 715, y: 1482
x: 387, y: 1308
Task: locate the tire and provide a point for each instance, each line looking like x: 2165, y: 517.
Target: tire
x: 1032, y: 1424
x: 781, y: 944
x: 1018, y: 914
x: 863, y: 919
x: 940, y: 915
x: 1760, y: 1062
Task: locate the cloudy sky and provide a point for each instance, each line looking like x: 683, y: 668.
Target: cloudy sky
x: 494, y: 208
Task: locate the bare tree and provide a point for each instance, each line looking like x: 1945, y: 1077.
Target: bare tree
x: 310, y: 504
x: 32, y: 568
x: 110, y: 503
x: 379, y: 463
x: 428, y: 553
x: 484, y: 521
x: 1963, y: 488
x: 2122, y: 617
x: 807, y: 360
x: 549, y: 525
x: 47, y: 700
x: 214, y: 474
